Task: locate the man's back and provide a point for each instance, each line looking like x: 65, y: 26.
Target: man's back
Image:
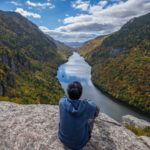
x: 73, y: 126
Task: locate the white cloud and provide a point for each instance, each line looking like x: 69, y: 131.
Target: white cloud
x: 99, y: 7
x: 15, y: 3
x: 80, y: 4
x: 68, y: 36
x: 78, y: 19
x: 27, y: 13
x: 40, y: 5
x: 101, y: 18
x: 86, y: 27
x: 86, y: 5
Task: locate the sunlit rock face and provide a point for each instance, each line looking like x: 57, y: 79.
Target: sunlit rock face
x: 35, y: 127
x: 131, y: 120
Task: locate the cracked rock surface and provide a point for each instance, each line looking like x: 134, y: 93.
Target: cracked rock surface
x: 34, y: 127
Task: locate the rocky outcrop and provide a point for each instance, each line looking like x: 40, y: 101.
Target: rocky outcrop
x: 131, y: 120
x: 34, y: 127
x: 145, y: 140
x: 12, y: 66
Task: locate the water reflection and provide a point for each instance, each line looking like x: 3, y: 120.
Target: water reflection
x: 76, y: 69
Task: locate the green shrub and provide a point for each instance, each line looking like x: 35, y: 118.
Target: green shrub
x: 139, y: 131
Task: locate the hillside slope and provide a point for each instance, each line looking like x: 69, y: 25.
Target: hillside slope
x: 63, y: 50
x: 121, y: 63
x: 28, y: 62
x: 91, y: 45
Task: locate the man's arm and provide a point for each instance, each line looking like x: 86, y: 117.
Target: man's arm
x: 96, y: 112
x: 93, y: 109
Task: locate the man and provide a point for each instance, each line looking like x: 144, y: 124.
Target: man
x: 76, y: 118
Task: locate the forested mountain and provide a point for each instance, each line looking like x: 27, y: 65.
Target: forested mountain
x: 133, y: 33
x: 28, y: 62
x: 121, y: 63
x: 91, y: 45
x: 62, y: 48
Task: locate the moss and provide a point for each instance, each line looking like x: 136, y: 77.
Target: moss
x: 139, y: 131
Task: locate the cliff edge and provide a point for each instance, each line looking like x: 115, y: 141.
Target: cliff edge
x: 34, y: 127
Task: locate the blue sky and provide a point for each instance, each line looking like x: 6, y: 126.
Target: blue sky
x: 77, y: 20
x: 51, y: 17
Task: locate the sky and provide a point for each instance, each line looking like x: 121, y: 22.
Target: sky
x: 77, y: 20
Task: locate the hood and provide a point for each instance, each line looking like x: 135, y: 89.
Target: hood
x: 75, y: 107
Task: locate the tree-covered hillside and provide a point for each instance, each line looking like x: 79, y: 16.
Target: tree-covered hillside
x: 121, y: 63
x: 28, y: 62
x: 91, y: 45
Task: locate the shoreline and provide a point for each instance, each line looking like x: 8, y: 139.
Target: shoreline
x: 119, y: 101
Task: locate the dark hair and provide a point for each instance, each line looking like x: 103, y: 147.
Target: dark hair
x: 74, y: 90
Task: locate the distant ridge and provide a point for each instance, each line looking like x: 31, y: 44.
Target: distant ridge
x: 74, y: 44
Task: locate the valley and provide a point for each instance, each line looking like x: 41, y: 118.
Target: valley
x: 121, y: 63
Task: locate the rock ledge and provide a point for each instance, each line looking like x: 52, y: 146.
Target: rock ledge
x: 34, y: 127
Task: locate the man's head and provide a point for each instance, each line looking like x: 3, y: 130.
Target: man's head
x: 74, y: 90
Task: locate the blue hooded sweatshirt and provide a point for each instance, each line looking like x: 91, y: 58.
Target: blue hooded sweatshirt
x: 73, y: 125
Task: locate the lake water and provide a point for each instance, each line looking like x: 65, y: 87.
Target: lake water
x: 77, y: 69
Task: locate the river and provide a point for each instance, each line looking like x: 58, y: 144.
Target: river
x: 77, y: 69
